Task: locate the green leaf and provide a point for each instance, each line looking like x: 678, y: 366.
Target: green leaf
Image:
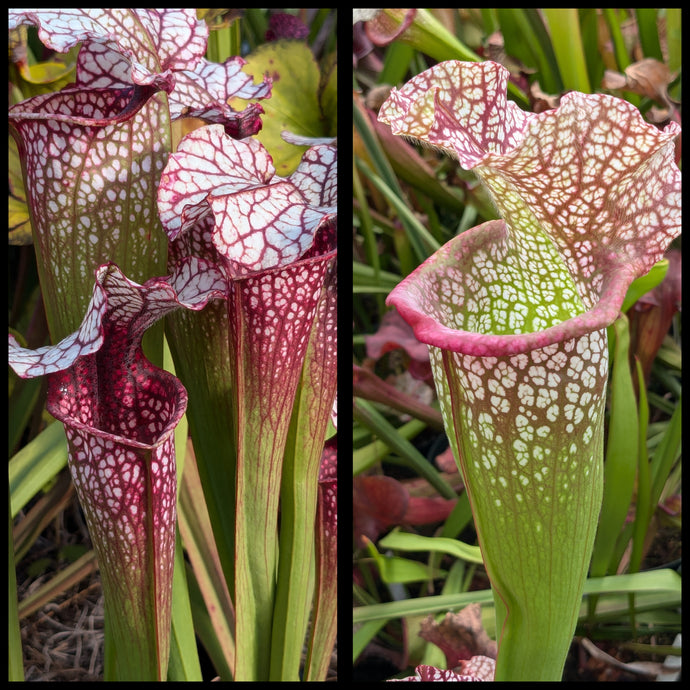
x: 427, y: 35
x: 644, y: 284
x: 370, y: 417
x: 363, y: 635
x: 365, y: 457
x: 666, y: 582
x: 621, y: 454
x: 15, y: 670
x: 202, y: 554
x: 36, y: 464
x: 666, y: 454
x: 423, y: 241
x: 647, y: 27
x: 404, y: 541
x: 643, y: 507
x: 526, y: 38
x: 564, y: 26
x: 18, y: 211
x: 364, y: 277
x: 184, y: 659
x: 295, y: 104
x: 400, y: 570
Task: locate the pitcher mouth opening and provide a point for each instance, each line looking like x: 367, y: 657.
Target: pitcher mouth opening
x: 145, y: 427
x: 432, y: 326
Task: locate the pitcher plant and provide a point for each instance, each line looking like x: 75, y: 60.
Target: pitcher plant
x: 206, y: 227
x: 515, y: 313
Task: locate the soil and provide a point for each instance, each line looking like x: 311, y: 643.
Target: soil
x: 63, y: 641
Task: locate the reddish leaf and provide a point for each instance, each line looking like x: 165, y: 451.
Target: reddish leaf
x: 460, y: 636
x: 394, y: 332
x: 320, y: 376
x: 325, y: 614
x: 329, y: 460
x: 652, y: 315
x: 446, y: 461
x: 367, y: 385
x: 427, y: 510
x: 284, y: 25
x: 386, y: 26
x: 380, y: 502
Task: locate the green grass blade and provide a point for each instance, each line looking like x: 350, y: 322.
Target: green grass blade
x: 666, y: 582
x: 202, y: 554
x: 644, y: 284
x: 199, y: 345
x: 404, y: 541
x: 15, y: 669
x: 666, y: 454
x: 648, y: 32
x: 367, y: 228
x: 371, y: 418
x: 22, y: 403
x: 419, y: 606
x: 564, y: 26
x: 298, y: 496
x: 589, y: 31
x: 367, y: 456
x: 206, y: 629
x: 365, y: 277
x: 184, y: 659
x: 394, y: 569
x: 422, y: 240
x: 428, y: 35
x: 396, y: 63
x: 526, y: 38
x: 363, y: 635
x: 621, y: 454
x: 674, y: 44
x: 643, y: 505
x: 616, y: 33
x: 36, y: 464
x: 373, y: 147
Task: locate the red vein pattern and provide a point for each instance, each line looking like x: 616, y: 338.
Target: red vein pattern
x: 427, y: 674
x: 274, y: 314
x: 204, y: 93
x: 262, y: 221
x: 589, y: 190
x: 174, y: 39
x: 93, y: 153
